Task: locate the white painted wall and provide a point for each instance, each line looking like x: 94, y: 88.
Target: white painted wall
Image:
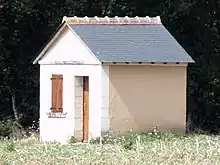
x: 59, y: 129
x: 69, y: 48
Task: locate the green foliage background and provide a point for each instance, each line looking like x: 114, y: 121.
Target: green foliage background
x: 25, y: 26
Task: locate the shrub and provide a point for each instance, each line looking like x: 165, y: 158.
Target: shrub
x: 5, y: 127
x: 11, y: 128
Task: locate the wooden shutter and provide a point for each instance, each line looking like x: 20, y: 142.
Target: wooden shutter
x: 57, y: 93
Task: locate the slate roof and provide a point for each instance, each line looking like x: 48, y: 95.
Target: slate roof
x: 124, y: 39
x: 131, y: 43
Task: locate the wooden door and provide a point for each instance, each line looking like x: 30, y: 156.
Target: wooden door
x: 85, y: 108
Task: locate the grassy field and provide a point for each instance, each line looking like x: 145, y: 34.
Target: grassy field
x: 134, y: 149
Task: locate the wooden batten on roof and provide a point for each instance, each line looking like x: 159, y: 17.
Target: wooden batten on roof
x: 112, y: 20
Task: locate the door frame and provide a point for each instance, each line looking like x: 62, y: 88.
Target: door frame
x: 85, y: 102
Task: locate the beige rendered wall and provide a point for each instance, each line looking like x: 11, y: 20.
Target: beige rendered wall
x: 144, y: 96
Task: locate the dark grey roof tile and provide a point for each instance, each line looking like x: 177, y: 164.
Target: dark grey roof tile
x: 131, y: 43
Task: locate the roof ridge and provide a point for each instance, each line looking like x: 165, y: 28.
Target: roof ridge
x: 112, y: 20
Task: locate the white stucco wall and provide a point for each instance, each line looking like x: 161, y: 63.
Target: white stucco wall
x: 68, y: 48
x: 59, y: 129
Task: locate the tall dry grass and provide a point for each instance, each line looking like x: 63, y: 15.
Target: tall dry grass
x: 134, y: 149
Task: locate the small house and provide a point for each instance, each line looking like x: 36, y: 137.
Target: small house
x: 111, y: 74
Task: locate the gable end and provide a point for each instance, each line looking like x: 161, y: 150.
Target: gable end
x: 68, y: 42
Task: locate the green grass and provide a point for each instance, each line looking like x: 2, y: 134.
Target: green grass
x: 134, y: 149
